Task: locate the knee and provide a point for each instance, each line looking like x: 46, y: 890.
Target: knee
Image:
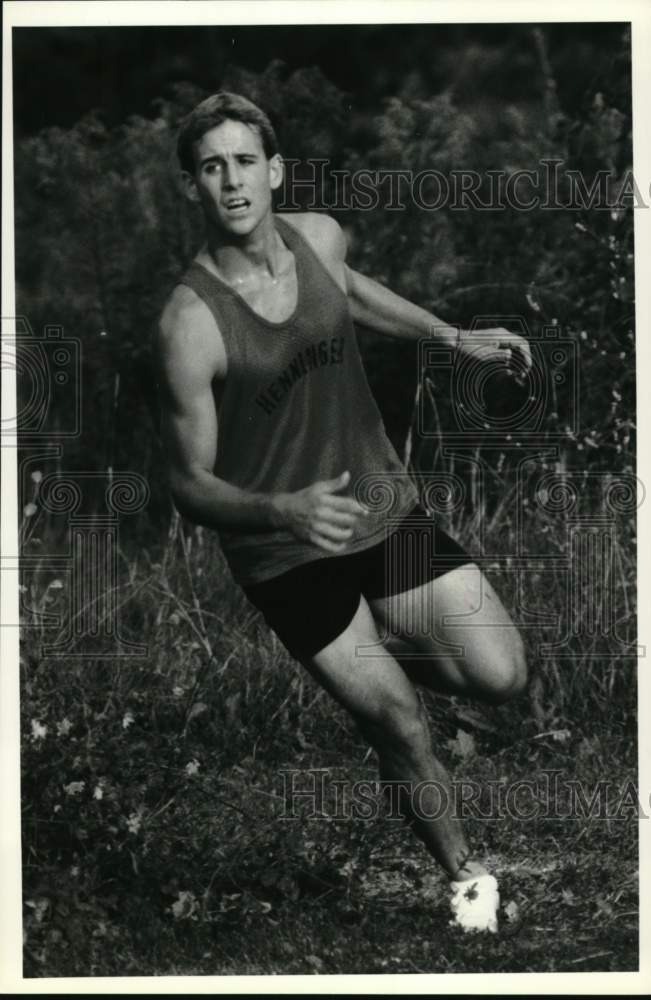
x: 509, y: 678
x: 396, y: 726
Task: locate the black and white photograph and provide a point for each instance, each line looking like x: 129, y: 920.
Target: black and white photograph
x: 322, y: 372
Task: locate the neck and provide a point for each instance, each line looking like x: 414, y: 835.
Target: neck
x: 237, y: 258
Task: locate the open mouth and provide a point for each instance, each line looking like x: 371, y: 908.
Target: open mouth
x: 237, y: 205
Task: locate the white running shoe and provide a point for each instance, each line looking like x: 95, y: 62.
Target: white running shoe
x: 474, y: 904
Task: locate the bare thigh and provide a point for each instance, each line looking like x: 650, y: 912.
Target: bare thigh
x: 454, y: 634
x: 372, y: 687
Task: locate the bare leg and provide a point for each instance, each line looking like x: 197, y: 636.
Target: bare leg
x: 388, y: 711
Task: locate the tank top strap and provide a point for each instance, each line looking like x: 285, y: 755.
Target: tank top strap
x: 220, y: 300
x: 291, y: 236
x: 310, y: 260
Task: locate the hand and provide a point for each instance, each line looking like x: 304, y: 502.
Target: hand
x: 317, y: 515
x: 498, y: 344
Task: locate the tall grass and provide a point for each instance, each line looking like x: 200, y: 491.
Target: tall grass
x: 152, y: 787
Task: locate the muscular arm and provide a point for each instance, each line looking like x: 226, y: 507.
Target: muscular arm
x: 383, y: 311
x: 192, y: 359
x: 377, y: 307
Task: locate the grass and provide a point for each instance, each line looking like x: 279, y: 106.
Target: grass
x: 153, y: 842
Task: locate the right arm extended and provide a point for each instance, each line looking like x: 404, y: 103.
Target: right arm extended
x: 192, y: 360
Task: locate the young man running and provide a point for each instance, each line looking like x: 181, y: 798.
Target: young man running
x: 272, y: 434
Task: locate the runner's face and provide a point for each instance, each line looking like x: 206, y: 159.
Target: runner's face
x: 234, y: 179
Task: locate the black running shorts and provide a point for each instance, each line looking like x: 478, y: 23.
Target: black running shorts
x: 309, y: 606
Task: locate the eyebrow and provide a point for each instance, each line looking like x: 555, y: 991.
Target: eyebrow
x: 215, y: 157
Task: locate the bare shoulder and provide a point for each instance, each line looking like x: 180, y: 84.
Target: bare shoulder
x: 327, y: 239
x: 189, y: 339
x: 323, y: 233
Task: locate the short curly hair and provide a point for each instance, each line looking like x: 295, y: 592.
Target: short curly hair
x: 214, y: 111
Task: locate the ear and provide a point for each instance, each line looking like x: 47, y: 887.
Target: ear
x: 276, y: 171
x: 189, y: 186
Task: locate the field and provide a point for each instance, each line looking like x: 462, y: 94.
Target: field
x: 161, y: 835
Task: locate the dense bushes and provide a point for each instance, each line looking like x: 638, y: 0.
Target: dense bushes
x: 102, y: 233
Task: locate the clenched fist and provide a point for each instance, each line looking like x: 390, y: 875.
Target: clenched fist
x: 318, y: 515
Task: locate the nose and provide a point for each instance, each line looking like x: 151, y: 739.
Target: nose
x: 231, y: 174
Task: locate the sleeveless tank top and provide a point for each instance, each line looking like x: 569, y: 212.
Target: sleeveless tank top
x: 296, y: 408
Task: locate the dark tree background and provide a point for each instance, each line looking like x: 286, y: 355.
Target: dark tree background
x: 102, y: 232
x: 62, y: 73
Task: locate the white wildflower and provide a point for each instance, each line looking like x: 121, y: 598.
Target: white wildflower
x: 39, y: 906
x: 185, y: 906
x: 134, y: 821
x: 39, y: 731
x: 64, y: 727
x: 74, y: 788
